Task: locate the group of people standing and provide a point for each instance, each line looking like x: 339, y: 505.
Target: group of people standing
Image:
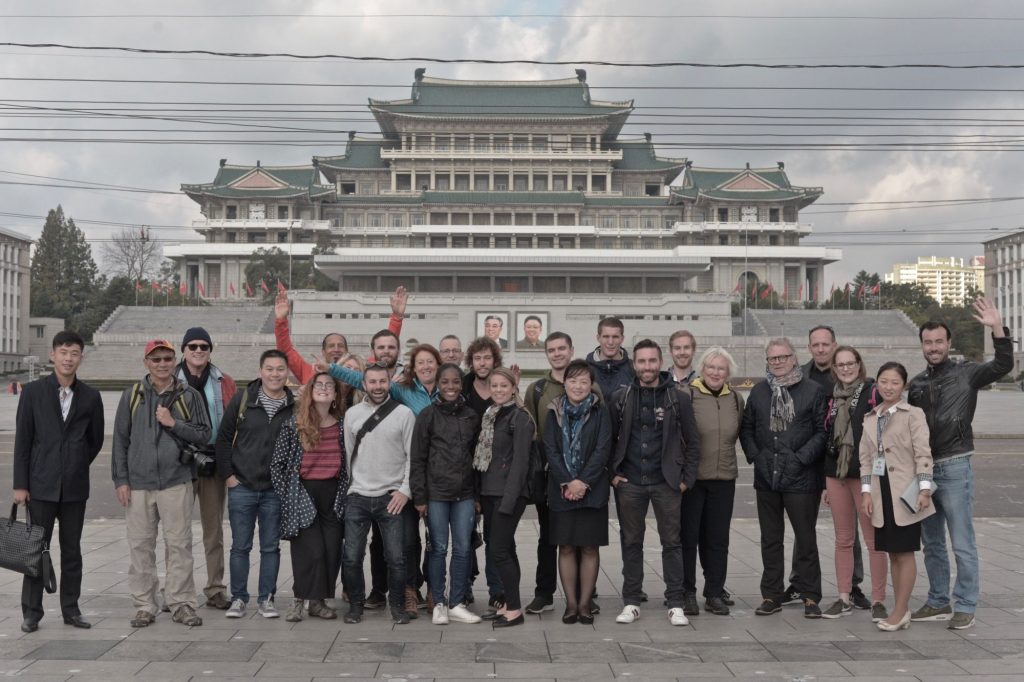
x: 369, y: 444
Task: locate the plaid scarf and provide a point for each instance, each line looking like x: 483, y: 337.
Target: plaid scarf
x: 783, y: 412
x: 572, y: 424
x: 484, y: 446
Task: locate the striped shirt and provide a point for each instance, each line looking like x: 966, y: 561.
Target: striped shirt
x: 324, y: 461
x: 271, y: 405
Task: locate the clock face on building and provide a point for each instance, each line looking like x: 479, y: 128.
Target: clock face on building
x: 748, y: 214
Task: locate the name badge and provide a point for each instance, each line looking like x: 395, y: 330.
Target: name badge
x: 879, y: 467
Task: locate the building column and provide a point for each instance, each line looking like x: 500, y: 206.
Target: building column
x: 394, y: 179
x: 590, y: 181
x: 803, y: 282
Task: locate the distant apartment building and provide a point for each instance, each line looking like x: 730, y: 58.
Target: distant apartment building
x: 947, y: 279
x: 14, y: 298
x: 1004, y: 284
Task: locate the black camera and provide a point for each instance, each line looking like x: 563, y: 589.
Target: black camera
x: 205, y: 463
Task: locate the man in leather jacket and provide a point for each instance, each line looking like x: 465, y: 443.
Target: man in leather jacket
x: 947, y: 391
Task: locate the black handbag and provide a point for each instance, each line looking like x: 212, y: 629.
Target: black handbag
x: 23, y: 549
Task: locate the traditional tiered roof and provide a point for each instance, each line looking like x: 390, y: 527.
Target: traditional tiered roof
x: 743, y: 184
x: 564, y: 99
x: 640, y: 156
x: 359, y: 155
x: 262, y: 182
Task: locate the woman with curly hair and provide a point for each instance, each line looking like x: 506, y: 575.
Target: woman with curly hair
x: 309, y: 475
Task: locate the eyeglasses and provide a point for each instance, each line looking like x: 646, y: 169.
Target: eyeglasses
x: 778, y: 359
x: 162, y: 358
x: 323, y: 385
x: 197, y: 346
x: 846, y: 365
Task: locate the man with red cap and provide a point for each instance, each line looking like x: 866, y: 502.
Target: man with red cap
x: 158, y: 421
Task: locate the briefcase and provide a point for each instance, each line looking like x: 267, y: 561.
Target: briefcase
x: 23, y: 549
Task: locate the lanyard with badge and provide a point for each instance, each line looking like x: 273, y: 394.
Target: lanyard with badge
x: 878, y: 469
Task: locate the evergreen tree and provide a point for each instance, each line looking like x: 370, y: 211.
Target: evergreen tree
x: 64, y: 274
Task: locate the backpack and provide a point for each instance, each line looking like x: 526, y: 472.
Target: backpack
x: 177, y: 400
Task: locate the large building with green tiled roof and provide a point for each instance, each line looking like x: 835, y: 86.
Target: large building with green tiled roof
x: 508, y: 190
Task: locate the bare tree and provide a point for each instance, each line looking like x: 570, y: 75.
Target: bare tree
x: 132, y: 253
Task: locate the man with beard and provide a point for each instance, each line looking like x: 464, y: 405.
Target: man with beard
x: 654, y: 461
x: 378, y: 440
x: 609, y: 360
x: 682, y: 346
x: 482, y: 356
x: 216, y: 388
x: 334, y: 346
x: 947, y: 391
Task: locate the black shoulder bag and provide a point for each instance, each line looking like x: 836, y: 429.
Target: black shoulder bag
x: 23, y: 549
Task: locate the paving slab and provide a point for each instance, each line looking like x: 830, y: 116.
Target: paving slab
x: 74, y: 650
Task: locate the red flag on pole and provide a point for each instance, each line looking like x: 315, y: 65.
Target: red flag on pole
x: 266, y: 289
x: 182, y: 289
x: 832, y: 290
x: 156, y: 286
x: 248, y: 289
x: 231, y: 288
x: 860, y: 292
x: 876, y: 289
x: 736, y: 289
x: 846, y: 289
x: 767, y: 292
x: 280, y: 287
x: 138, y: 285
x: 800, y: 292
x: 202, y: 289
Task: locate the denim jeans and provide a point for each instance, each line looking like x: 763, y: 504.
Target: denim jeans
x: 459, y: 516
x: 954, y: 509
x: 245, y: 507
x: 359, y: 512
x: 631, y: 502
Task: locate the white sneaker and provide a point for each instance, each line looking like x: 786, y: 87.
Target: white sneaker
x: 267, y: 608
x: 440, y: 615
x: 236, y: 610
x: 461, y: 614
x: 628, y: 615
x: 676, y: 616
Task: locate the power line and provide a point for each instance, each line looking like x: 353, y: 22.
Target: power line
x: 517, y: 15
x: 534, y: 62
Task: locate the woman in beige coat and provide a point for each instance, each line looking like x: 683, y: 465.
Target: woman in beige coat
x: 896, y: 461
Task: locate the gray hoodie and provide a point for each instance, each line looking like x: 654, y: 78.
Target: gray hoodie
x: 145, y: 457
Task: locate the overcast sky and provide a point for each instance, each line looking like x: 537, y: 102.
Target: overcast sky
x: 813, y: 116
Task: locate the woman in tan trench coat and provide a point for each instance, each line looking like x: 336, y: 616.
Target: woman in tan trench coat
x: 896, y: 484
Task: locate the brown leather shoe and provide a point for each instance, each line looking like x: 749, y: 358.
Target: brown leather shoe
x: 410, y: 603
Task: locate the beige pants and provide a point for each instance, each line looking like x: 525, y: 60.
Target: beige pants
x: 143, y: 515
x: 211, y: 491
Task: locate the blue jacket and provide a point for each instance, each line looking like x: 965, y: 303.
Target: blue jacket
x: 415, y: 397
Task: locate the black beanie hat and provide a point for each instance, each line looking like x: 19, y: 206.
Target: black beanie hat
x: 196, y: 334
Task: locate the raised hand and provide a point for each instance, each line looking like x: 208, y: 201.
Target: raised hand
x: 987, y: 314
x: 399, y: 299
x: 281, y: 305
x: 319, y: 362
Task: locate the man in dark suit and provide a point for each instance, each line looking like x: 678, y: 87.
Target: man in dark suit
x: 59, y: 432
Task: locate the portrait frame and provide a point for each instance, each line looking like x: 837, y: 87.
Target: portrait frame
x: 481, y: 325
x: 523, y: 342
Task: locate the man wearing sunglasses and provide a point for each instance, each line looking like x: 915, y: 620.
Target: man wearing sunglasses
x: 216, y: 389
x: 157, y: 419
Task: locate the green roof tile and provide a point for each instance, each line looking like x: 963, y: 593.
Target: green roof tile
x: 359, y: 154
x: 294, y: 181
x: 708, y: 183
x: 641, y: 155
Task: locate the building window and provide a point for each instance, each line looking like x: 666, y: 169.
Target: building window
x: 397, y: 220
x: 598, y: 183
x: 586, y: 285
x: 460, y: 242
x: 473, y: 284
x: 524, y: 242
x: 648, y: 222
x: 417, y: 219
x: 282, y: 213
x: 462, y: 183
x: 481, y: 242
x: 231, y: 212
x: 628, y: 222
x: 367, y: 188
x: 652, y: 189
x: 441, y: 143
x: 231, y: 237
x: 503, y: 242
x: 545, y: 242
x: 501, y: 144
x: 773, y: 240
x: 441, y: 183
x: 773, y: 215
x: 376, y: 220
x: 723, y: 240
x: 481, y: 183
x: 632, y: 190
x: 462, y: 144
x: 608, y: 222
x: 521, y: 183
x: 723, y: 215
x: 548, y: 285
x: 355, y: 220
x: 438, y: 242
x: 540, y: 143
x: 540, y: 183
x: 567, y: 242
x: 520, y: 144
x: 282, y: 237
x: 558, y: 183
x: 347, y: 187
x: 512, y: 285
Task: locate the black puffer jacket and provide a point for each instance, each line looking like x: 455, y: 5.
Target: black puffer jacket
x: 441, y: 462
x: 789, y: 461
x: 867, y: 400
x: 948, y: 394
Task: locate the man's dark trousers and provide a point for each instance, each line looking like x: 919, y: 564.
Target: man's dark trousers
x: 72, y: 518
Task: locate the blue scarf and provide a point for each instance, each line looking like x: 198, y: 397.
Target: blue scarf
x: 572, y: 423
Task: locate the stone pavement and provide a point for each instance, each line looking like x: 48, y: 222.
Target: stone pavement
x: 741, y: 646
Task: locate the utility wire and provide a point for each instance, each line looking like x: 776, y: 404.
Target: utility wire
x: 534, y: 62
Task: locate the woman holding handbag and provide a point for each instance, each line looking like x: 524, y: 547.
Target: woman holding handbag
x: 896, y: 484
x: 577, y: 443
